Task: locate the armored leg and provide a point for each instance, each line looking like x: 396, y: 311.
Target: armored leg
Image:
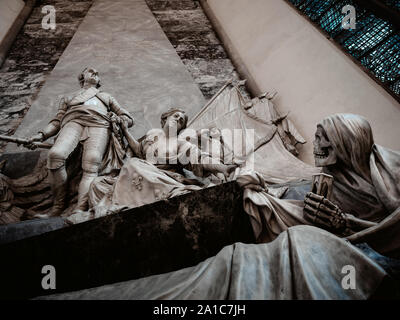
x: 66, y: 142
x: 94, y: 148
x: 59, y: 187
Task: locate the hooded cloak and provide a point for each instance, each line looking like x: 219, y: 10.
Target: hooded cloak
x: 366, y: 180
x: 366, y: 188
x: 366, y: 176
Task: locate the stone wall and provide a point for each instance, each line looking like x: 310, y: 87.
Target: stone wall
x: 36, y: 51
x: 33, y: 55
x: 193, y: 37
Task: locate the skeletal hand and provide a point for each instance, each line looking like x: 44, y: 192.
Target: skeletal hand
x: 324, y: 213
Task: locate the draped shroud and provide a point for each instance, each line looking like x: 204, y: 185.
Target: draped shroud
x: 366, y: 187
x: 366, y: 180
x: 303, y: 263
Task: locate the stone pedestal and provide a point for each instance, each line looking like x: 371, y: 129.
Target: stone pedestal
x: 161, y: 237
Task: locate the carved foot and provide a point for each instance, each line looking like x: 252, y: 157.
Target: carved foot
x: 79, y: 216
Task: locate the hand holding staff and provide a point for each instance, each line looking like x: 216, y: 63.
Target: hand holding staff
x: 27, y: 143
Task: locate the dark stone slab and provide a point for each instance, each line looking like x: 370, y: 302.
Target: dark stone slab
x: 390, y: 265
x: 66, y: 11
x: 157, y: 238
x: 190, y: 52
x: 199, y: 38
x: 24, y: 229
x: 183, y: 20
x: 161, y: 5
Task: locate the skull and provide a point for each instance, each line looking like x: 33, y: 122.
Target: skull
x: 324, y: 154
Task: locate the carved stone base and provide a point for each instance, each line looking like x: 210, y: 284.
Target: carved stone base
x: 157, y: 238
x: 26, y: 191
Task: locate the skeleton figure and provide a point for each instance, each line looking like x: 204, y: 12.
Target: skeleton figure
x: 87, y: 117
x: 365, y: 193
x: 324, y: 155
x: 319, y: 210
x: 363, y: 204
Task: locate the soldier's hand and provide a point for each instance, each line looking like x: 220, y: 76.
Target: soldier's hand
x: 124, y: 125
x: 114, y: 118
x: 30, y: 146
x: 324, y: 213
x: 126, y: 121
x: 39, y: 137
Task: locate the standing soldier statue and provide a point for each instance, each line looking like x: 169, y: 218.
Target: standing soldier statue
x: 87, y: 116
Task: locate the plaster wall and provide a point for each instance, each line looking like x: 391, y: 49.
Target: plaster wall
x: 282, y: 50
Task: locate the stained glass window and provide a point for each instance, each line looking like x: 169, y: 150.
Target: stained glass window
x: 375, y: 43
x: 392, y: 3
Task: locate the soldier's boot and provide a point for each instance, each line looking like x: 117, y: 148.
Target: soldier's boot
x: 59, y: 189
x: 59, y: 201
x: 84, y: 186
